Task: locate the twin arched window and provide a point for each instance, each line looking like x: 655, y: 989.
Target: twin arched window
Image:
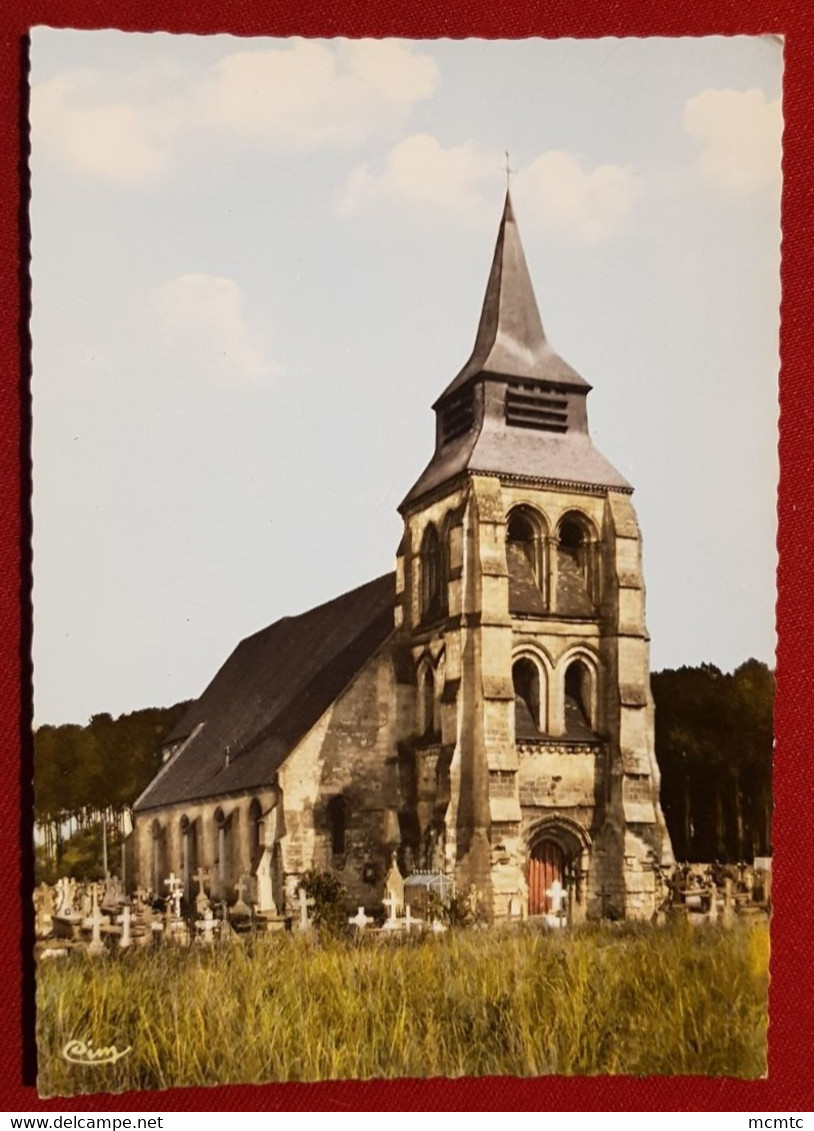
x: 577, y: 702
x: 558, y: 574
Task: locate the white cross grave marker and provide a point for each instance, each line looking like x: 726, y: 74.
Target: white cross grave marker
x: 391, y: 923
x: 124, y: 939
x: 305, y: 903
x: 176, y: 887
x: 557, y: 896
x: 360, y: 920
x: 201, y: 899
x: 207, y: 926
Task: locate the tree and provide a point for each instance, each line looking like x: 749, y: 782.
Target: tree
x: 714, y: 749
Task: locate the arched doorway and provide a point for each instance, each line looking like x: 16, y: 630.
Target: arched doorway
x: 547, y: 863
x: 559, y: 852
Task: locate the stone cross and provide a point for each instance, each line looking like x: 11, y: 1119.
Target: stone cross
x: 391, y: 923
x: 360, y: 920
x: 201, y: 899
x: 207, y: 926
x: 96, y: 946
x: 557, y: 896
x: 124, y: 940
x: 305, y: 903
x: 176, y: 887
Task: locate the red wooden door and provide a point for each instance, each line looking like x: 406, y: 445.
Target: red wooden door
x: 547, y: 864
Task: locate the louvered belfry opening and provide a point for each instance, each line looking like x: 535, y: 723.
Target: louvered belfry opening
x: 542, y: 407
x: 457, y: 414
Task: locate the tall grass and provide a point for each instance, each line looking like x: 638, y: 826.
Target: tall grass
x: 607, y: 999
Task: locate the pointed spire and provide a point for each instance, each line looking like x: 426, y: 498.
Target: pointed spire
x: 510, y: 340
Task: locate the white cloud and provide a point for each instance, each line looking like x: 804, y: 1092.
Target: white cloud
x: 420, y: 172
x: 555, y: 193
x: 565, y: 200
x: 298, y: 97
x: 308, y: 94
x: 202, y: 316
x: 739, y: 132
x: 109, y: 138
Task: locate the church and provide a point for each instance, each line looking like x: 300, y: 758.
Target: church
x: 484, y: 712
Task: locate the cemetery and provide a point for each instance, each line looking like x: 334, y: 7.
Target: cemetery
x: 97, y: 917
x: 409, y: 987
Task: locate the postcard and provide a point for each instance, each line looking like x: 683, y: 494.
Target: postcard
x: 404, y: 448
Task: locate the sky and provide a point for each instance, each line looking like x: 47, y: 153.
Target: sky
x: 257, y: 263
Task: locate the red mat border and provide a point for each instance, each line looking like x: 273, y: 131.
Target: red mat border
x: 788, y: 1086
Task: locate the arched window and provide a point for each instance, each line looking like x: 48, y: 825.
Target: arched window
x: 527, y: 717
x: 337, y: 813
x: 578, y: 696
x: 426, y: 691
x: 577, y: 581
x: 255, y: 832
x: 225, y: 858
x: 433, y: 581
x: 526, y: 561
x: 189, y: 854
x: 159, y: 862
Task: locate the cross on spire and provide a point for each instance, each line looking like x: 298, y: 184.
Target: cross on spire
x: 509, y: 170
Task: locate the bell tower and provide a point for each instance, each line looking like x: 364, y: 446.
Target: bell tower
x: 526, y: 763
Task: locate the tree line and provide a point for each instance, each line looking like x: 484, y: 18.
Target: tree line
x: 87, y: 775
x: 713, y: 746
x: 714, y: 741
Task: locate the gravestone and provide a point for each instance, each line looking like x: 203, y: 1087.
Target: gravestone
x: 207, y: 926
x: 392, y: 922
x: 176, y: 887
x: 713, y: 904
x: 125, y: 940
x: 394, y: 885
x: 95, y: 946
x: 558, y: 896
x: 240, y: 909
x: 112, y: 898
x: 305, y: 902
x: 728, y: 916
x: 360, y: 920
x: 202, y: 903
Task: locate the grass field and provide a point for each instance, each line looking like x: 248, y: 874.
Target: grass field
x: 601, y: 999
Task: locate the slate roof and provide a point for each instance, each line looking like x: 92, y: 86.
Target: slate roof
x: 511, y: 346
x: 510, y: 340
x: 269, y: 693
x: 496, y: 449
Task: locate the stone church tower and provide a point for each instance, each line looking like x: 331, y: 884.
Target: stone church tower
x: 485, y: 712
x: 526, y: 750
